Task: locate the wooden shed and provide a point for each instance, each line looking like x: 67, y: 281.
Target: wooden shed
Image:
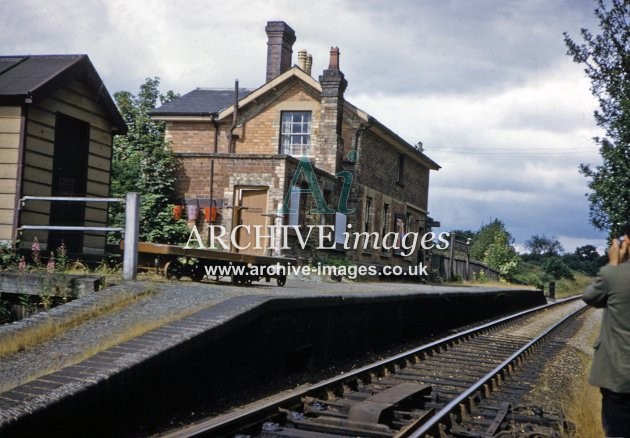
x: 57, y: 122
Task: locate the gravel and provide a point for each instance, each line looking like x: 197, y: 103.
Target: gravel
x: 553, y: 388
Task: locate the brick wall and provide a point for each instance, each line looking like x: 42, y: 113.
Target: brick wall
x: 190, y: 136
x: 231, y: 171
x: 234, y: 171
x: 260, y: 134
x: 376, y: 179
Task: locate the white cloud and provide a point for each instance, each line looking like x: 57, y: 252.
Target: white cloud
x: 512, y: 154
x: 570, y: 243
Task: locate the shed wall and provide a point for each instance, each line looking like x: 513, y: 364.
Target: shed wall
x: 76, y: 100
x: 10, y: 120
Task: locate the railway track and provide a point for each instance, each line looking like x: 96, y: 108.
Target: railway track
x: 464, y: 385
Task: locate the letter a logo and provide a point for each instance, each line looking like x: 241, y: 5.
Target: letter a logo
x: 305, y: 166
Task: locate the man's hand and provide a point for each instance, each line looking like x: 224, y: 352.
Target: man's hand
x: 618, y: 252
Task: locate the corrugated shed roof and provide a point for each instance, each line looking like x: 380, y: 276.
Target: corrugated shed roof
x: 201, y: 101
x: 37, y: 76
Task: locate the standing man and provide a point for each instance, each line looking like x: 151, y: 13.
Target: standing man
x: 611, y: 362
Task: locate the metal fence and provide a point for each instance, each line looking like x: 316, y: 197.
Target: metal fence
x: 130, y: 230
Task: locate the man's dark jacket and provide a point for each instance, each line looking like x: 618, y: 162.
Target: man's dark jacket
x: 611, y: 362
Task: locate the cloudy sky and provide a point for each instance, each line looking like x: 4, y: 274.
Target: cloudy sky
x: 485, y: 85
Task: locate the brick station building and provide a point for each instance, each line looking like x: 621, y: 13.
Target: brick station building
x: 240, y: 149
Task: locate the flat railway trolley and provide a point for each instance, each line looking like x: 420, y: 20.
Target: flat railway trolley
x: 175, y: 262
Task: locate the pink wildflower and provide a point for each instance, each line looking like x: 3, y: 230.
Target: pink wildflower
x: 50, y: 266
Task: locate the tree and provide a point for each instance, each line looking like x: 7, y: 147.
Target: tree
x: 557, y: 269
x: 587, y: 253
x: 485, y: 237
x: 606, y: 57
x: 493, y: 245
x: 502, y: 256
x: 143, y: 162
x: 544, y: 246
x: 464, y: 235
x: 585, y: 259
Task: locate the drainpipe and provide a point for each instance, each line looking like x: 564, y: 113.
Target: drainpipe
x: 358, y: 136
x: 216, y: 148
x: 234, y: 117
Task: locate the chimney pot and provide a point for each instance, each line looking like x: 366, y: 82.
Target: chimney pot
x: 302, y: 58
x: 334, y: 59
x: 309, y: 64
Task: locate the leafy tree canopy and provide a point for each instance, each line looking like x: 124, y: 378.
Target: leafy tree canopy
x: 486, y: 237
x: 143, y: 162
x: 606, y: 58
x: 587, y: 253
x: 556, y: 268
x: 502, y: 256
x: 464, y: 235
x: 542, y: 245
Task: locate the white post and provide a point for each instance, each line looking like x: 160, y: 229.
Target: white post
x: 132, y: 224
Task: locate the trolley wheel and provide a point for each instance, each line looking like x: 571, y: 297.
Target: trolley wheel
x: 281, y: 280
x: 197, y: 272
x: 173, y: 270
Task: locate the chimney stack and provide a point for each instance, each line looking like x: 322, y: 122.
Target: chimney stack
x: 330, y: 142
x: 280, y: 39
x: 332, y: 80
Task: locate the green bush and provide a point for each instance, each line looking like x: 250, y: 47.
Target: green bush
x: 557, y: 269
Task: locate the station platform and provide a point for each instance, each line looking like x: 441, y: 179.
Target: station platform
x: 240, y: 338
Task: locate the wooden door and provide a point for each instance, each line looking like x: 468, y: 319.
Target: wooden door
x: 70, y: 159
x: 252, y: 204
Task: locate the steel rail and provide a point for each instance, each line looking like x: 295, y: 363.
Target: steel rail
x: 257, y: 412
x: 433, y: 423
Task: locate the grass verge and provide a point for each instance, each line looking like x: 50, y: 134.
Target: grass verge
x: 132, y: 331
x: 584, y: 406
x: 52, y: 327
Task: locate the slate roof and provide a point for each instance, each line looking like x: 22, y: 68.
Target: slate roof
x: 201, y: 102
x: 35, y: 77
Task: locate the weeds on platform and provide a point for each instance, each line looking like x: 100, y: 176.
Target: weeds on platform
x: 52, y: 275
x: 52, y: 327
x: 117, y: 337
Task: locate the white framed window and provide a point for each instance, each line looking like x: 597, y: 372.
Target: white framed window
x: 295, y: 133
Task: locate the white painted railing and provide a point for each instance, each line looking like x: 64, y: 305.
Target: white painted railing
x: 130, y: 230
